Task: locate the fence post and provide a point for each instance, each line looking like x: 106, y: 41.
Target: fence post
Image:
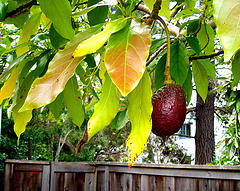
x: 106, y: 178
x: 46, y: 178
x: 52, y: 177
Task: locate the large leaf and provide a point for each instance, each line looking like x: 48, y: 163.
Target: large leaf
x: 126, y: 55
x: 97, y: 41
x: 159, y: 73
x: 139, y: 113
x: 179, y: 62
x: 206, y: 38
x: 45, y: 89
x: 106, y: 109
x: 201, y: 79
x: 59, y: 12
x: 29, y: 28
x: 236, y: 68
x: 227, y: 17
x: 73, y: 101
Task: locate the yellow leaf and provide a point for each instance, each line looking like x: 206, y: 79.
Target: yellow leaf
x: 10, y: 85
x: 29, y: 28
x: 139, y: 113
x: 20, y: 121
x: 97, y: 41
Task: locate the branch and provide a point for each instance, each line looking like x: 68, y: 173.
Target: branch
x: 155, y: 54
x: 206, y: 56
x: 20, y: 10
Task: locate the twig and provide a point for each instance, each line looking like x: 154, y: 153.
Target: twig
x: 206, y: 56
x: 22, y: 9
x: 155, y: 54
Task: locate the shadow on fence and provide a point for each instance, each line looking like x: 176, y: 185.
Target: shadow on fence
x: 76, y: 176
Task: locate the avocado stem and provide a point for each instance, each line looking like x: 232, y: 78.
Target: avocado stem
x: 168, y: 79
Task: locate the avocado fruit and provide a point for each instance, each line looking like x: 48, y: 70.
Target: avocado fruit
x: 169, y: 110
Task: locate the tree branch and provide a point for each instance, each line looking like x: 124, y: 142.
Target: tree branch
x: 206, y: 56
x: 20, y: 10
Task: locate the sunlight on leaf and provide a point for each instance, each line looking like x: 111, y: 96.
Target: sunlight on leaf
x: 106, y: 109
x: 126, y: 55
x: 139, y: 113
x: 97, y: 41
x: 227, y: 17
x: 45, y: 89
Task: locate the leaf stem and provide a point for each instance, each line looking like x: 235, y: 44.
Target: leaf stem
x: 167, y: 73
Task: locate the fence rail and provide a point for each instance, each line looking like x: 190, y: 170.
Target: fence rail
x: 102, y: 176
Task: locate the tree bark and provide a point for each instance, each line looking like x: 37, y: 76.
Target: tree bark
x: 204, y: 137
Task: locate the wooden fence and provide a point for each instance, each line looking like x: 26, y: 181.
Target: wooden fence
x: 78, y: 176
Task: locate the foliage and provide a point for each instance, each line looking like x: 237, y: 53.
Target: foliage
x: 65, y: 52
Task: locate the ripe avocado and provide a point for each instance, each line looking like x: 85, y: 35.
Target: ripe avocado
x: 169, y: 110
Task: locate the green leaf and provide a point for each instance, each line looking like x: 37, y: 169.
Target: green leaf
x: 97, y: 15
x: 188, y: 87
x: 206, y: 38
x: 56, y: 106
x: 227, y: 18
x: 159, y: 73
x: 73, y: 101
x: 97, y: 41
x: 106, y: 109
x: 59, y: 12
x: 120, y: 120
x: 139, y: 113
x: 56, y: 39
x: 194, y: 43
x: 45, y: 89
x: 236, y: 68
x: 209, y: 67
x: 179, y: 62
x: 201, y: 79
x: 3, y: 9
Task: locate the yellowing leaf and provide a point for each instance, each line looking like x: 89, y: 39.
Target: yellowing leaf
x: 227, y: 17
x: 126, y: 55
x: 9, y: 86
x: 106, y: 109
x: 20, y: 121
x: 45, y: 89
x: 97, y: 41
x: 139, y: 113
x: 29, y: 28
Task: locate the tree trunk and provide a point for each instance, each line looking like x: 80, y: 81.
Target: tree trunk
x: 204, y: 138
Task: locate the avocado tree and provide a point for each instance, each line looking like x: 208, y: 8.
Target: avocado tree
x: 111, y: 55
